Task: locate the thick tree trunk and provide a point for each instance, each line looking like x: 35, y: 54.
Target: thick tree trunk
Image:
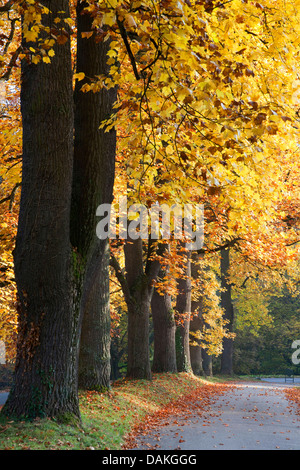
x: 183, y: 310
x: 207, y: 363
x: 118, y: 349
x: 138, y: 365
x: 94, y: 359
x: 45, y: 381
x: 164, y: 359
x: 93, y: 179
x: 226, y: 304
x: 137, y: 283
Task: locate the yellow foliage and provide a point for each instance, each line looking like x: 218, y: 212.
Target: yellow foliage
x: 207, y: 112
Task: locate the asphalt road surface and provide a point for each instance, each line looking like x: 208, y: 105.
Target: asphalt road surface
x: 252, y: 416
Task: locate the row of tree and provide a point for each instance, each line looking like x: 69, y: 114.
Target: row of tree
x: 174, y: 101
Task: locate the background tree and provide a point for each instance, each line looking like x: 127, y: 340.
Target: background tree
x: 164, y: 327
x: 93, y: 181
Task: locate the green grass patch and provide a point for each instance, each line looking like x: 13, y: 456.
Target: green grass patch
x: 106, y: 417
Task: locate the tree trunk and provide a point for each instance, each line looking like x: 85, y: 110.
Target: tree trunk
x: 45, y: 381
x: 94, y: 359
x: 138, y: 366
x: 164, y: 359
x: 118, y: 349
x: 183, y: 310
x: 137, y: 284
x: 207, y: 363
x: 93, y: 179
x: 226, y: 304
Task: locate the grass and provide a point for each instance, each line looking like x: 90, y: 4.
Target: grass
x: 107, y: 418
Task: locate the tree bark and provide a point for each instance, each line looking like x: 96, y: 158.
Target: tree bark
x: 94, y: 358
x: 183, y: 310
x: 137, y: 283
x: 45, y: 380
x: 226, y: 304
x: 207, y: 363
x: 93, y: 179
x: 138, y: 366
x: 164, y: 359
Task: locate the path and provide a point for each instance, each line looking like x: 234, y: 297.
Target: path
x: 251, y: 416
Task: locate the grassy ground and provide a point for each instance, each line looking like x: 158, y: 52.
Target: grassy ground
x: 106, y: 418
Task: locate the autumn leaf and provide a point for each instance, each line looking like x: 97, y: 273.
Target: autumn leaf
x: 79, y: 76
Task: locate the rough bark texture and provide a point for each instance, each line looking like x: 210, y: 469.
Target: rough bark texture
x: 94, y: 358
x: 164, y: 358
x: 93, y: 179
x: 138, y: 366
x: 183, y: 309
x: 207, y: 362
x: 137, y: 281
x: 45, y: 382
x: 226, y: 304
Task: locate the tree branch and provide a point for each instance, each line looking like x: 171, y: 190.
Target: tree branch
x: 228, y: 244
x: 10, y: 198
x: 12, y: 62
x: 127, y: 45
x: 120, y: 274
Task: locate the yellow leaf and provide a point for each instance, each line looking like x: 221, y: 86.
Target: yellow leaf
x: 35, y: 59
x: 129, y: 22
x: 30, y: 35
x: 69, y: 21
x: 109, y: 18
x: 87, y: 35
x: 47, y: 60
x: 79, y: 76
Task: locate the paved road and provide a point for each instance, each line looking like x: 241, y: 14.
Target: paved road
x: 253, y: 416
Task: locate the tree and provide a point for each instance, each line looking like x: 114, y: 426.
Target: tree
x: 137, y: 282
x: 93, y: 181
x: 45, y: 382
x: 164, y: 326
x: 140, y: 288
